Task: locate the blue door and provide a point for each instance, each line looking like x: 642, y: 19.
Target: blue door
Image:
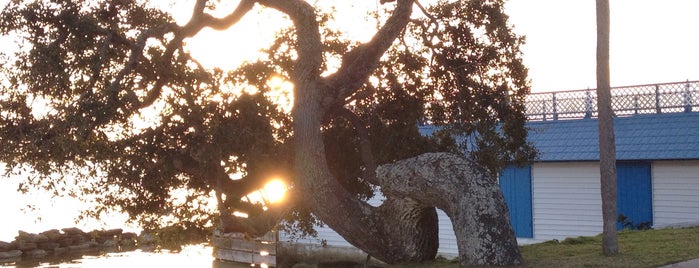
x: 634, y: 193
x: 516, y: 185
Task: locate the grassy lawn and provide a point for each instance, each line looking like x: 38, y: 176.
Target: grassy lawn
x: 651, y: 248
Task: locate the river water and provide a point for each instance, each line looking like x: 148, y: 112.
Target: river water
x: 189, y: 256
x: 49, y: 212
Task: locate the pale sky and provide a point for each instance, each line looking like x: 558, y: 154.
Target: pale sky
x: 651, y: 41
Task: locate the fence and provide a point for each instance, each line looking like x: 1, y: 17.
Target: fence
x: 628, y: 100
x: 247, y: 252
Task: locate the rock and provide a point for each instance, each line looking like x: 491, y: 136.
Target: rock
x: 31, y: 238
x: 39, y: 238
x: 93, y: 244
x: 22, y: 235
x: 26, y: 246
x: 10, y: 254
x: 53, y: 234
x: 65, y: 242
x: 59, y: 251
x: 78, y: 247
x: 98, y: 236
x: 102, y: 239
x: 111, y: 243
x: 73, y: 231
x: 146, y: 239
x: 111, y: 232
x: 78, y: 238
x: 36, y: 253
x: 127, y: 243
x: 148, y: 248
x: 94, y: 234
x: 129, y: 236
x: 5, y: 247
x: 49, y: 245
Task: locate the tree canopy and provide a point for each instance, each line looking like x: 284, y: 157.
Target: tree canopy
x: 107, y: 93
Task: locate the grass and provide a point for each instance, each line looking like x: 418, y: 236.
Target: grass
x: 650, y: 248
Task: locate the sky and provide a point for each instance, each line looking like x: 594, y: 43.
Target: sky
x: 651, y: 42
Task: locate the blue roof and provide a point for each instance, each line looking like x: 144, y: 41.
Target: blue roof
x: 672, y: 136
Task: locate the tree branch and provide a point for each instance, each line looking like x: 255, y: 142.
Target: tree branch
x: 425, y: 11
x: 358, y: 64
x: 369, y: 172
x: 310, y: 50
x: 259, y: 224
x: 199, y: 21
x: 136, y: 53
x: 215, y: 176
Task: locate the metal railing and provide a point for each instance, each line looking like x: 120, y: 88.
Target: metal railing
x: 629, y: 100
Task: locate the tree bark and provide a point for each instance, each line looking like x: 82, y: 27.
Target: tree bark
x: 387, y: 233
x: 607, y: 147
x: 400, y: 230
x: 472, y: 199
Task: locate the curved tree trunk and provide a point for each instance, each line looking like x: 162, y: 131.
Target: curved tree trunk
x: 404, y: 230
x: 413, y: 229
x: 472, y: 200
x: 401, y: 230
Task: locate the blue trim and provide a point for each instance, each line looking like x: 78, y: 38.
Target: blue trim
x: 516, y: 185
x: 634, y: 193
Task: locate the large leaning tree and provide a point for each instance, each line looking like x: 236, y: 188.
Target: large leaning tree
x: 102, y: 100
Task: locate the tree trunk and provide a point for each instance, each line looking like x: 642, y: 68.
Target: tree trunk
x: 403, y: 229
x: 607, y: 147
x: 399, y: 231
x: 412, y: 226
x: 471, y: 198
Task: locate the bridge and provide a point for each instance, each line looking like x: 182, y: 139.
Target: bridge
x: 628, y: 100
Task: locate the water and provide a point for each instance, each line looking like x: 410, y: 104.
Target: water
x: 50, y: 212
x: 189, y: 256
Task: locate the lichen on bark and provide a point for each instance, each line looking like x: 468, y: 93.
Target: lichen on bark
x: 472, y: 200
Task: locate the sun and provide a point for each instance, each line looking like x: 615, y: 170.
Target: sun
x: 274, y: 191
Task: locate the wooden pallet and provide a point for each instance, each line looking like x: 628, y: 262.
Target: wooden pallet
x: 236, y: 247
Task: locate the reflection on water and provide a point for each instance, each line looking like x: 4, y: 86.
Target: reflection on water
x: 190, y: 256
x: 38, y: 211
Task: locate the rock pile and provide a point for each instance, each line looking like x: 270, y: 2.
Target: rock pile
x: 70, y: 240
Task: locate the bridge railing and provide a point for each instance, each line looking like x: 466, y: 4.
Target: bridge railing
x: 627, y: 100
